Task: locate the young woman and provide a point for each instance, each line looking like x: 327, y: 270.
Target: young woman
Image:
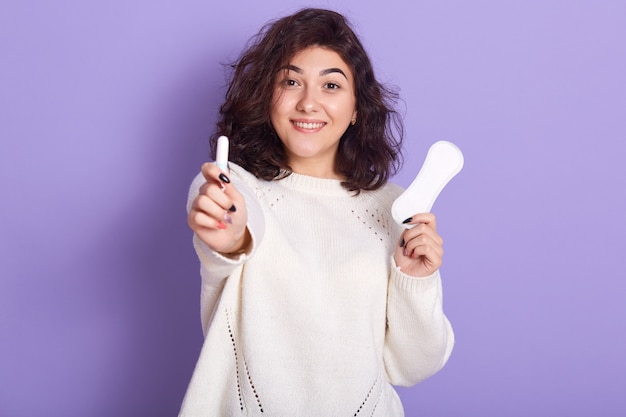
x: 314, y: 302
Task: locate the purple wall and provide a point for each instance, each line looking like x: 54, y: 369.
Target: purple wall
x: 105, y: 109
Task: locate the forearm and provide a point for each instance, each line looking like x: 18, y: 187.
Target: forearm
x: 419, y: 337
x: 216, y: 267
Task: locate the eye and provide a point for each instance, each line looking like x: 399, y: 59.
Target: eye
x: 332, y: 86
x: 289, y: 82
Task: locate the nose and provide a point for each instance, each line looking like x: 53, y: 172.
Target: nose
x: 308, y: 101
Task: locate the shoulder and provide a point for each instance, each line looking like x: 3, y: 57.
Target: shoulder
x: 386, y: 194
x: 240, y: 173
x: 392, y: 189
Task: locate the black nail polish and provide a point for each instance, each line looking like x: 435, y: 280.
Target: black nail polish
x: 224, y: 178
x: 410, y: 219
x: 232, y: 209
x: 402, y: 243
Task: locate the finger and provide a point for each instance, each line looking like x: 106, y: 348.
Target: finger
x: 200, y: 220
x: 423, y: 245
x: 425, y: 256
x: 212, y: 203
x: 426, y: 218
x: 428, y: 259
x: 214, y: 175
x: 422, y: 229
x: 220, y: 197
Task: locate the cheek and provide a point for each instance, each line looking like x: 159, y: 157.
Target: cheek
x: 280, y: 105
x: 345, y: 110
x: 278, y: 114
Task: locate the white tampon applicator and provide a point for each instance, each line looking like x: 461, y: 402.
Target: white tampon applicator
x: 443, y: 161
x: 221, y: 155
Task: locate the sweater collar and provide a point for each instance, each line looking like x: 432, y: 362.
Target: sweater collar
x: 305, y: 183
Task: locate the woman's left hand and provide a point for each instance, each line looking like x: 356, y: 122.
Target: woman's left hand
x: 420, y: 249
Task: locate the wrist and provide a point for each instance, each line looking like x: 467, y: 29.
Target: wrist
x: 241, y: 246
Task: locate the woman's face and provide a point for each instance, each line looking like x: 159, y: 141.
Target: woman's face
x: 313, y: 104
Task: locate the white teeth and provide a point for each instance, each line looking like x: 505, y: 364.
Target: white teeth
x: 303, y: 125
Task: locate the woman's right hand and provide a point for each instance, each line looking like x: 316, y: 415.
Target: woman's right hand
x: 218, y: 215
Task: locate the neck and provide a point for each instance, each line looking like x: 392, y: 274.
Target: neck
x: 317, y: 170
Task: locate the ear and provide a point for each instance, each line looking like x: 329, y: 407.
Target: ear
x: 354, y: 114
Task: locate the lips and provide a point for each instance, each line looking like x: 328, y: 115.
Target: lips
x: 308, y: 125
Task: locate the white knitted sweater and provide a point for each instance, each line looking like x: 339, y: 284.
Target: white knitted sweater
x: 315, y: 320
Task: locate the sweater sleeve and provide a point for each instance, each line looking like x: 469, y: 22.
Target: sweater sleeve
x: 214, y: 267
x: 419, y: 337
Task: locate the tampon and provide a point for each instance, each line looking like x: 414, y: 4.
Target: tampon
x: 221, y: 155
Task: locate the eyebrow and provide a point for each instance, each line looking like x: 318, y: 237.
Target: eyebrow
x: 322, y: 72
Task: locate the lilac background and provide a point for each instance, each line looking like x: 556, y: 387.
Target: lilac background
x: 105, y: 109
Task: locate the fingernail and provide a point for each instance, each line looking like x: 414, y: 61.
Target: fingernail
x: 232, y: 209
x: 221, y: 225
x: 228, y: 219
x: 410, y: 219
x: 224, y: 178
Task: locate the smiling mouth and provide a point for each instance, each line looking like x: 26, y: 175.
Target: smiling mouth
x: 310, y: 126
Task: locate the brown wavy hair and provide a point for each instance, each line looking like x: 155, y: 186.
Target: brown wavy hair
x: 369, y: 152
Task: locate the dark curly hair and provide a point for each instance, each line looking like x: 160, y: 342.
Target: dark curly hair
x: 369, y: 151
